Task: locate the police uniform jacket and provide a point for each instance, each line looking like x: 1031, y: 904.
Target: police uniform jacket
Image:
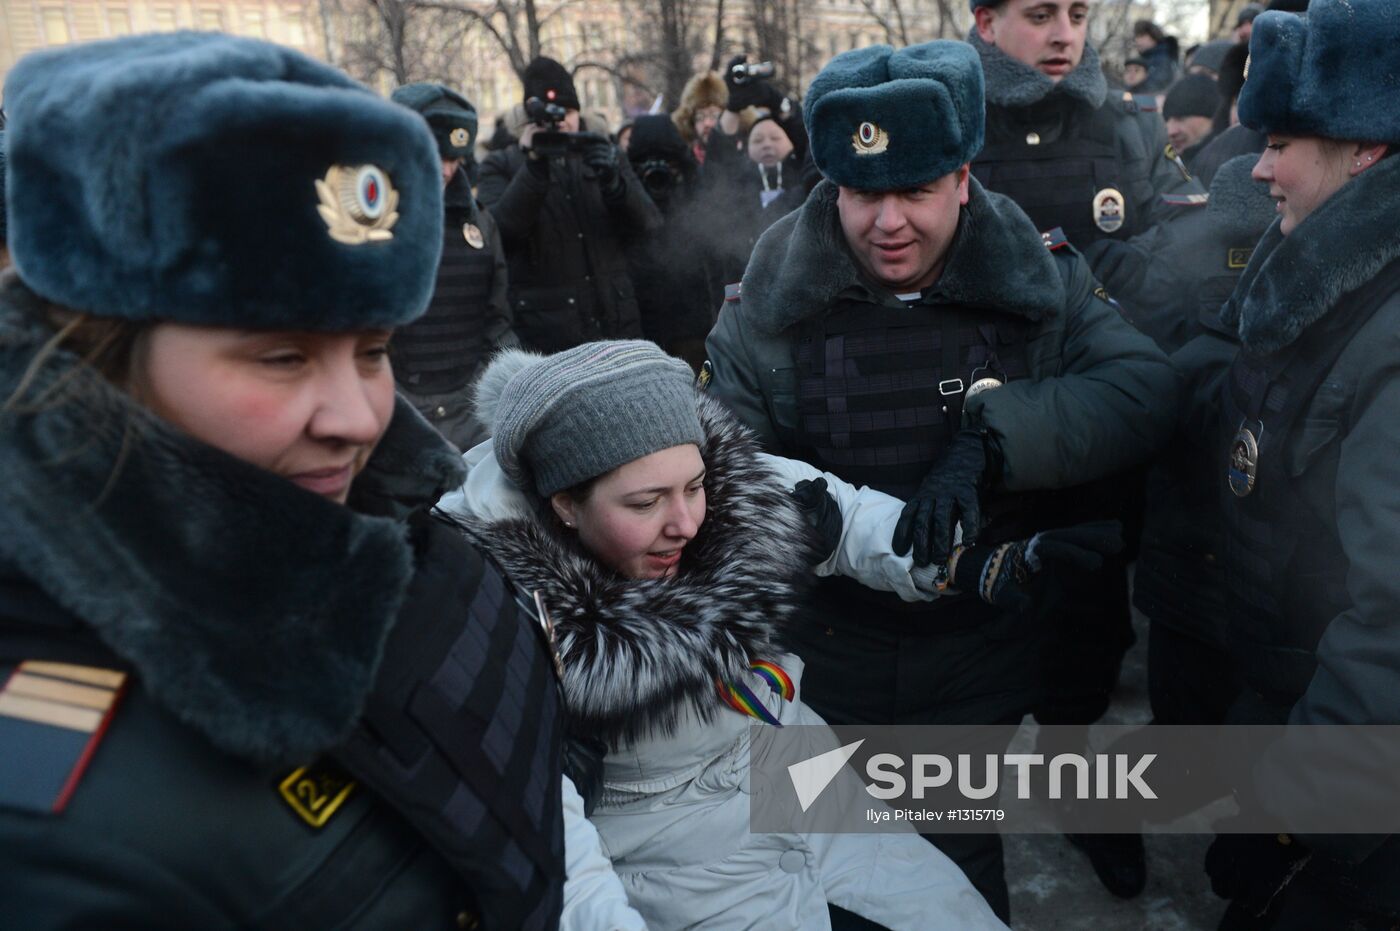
x: 1316, y: 598
x: 439, y: 355
x: 564, y: 244
x: 1171, y: 283
x: 1098, y: 398
x: 221, y: 692
x: 1058, y: 149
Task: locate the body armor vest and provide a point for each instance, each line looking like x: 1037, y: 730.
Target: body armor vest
x: 1284, y: 560
x: 1055, y: 167
x: 462, y: 734
x: 880, y: 395
x: 442, y: 351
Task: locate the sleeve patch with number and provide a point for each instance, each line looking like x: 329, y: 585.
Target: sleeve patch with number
x: 314, y: 793
x: 52, y: 718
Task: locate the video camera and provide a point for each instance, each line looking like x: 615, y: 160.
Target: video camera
x: 743, y: 73
x: 550, y: 141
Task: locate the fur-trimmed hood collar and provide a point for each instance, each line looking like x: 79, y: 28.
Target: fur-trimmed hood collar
x: 997, y: 259
x: 251, y: 609
x: 1013, y: 84
x: 1293, y: 281
x: 639, y: 656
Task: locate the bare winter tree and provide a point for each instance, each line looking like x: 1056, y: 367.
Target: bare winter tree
x: 398, y: 40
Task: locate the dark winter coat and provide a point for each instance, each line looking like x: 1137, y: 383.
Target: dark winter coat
x: 672, y: 276
x: 1171, y: 283
x: 1339, y: 460
x: 565, y: 247
x: 1163, y: 67
x: 1100, y: 397
x: 1232, y: 143
x: 252, y: 620
x: 736, y: 216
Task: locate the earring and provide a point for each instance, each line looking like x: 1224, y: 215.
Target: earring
x: 569, y: 525
x: 1369, y: 157
x: 1358, y: 164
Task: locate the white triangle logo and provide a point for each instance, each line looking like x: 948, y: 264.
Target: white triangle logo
x: 811, y: 777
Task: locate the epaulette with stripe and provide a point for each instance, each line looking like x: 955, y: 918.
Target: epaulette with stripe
x: 1141, y: 103
x: 732, y: 292
x: 1054, y: 239
x: 1185, y: 200
x: 52, y: 717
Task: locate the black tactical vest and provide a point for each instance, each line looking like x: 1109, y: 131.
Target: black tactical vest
x: 442, y: 351
x: 1285, y: 564
x: 1055, y: 166
x: 462, y: 733
x: 880, y: 394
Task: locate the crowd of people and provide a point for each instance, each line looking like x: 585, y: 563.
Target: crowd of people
x: 396, y: 538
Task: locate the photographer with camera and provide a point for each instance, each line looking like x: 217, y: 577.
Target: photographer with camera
x: 565, y: 201
x: 672, y: 286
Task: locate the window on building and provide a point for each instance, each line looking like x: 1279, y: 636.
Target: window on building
x: 163, y: 20
x: 119, y: 22
x: 255, y: 24
x: 56, y: 27
x: 296, y: 30
x: 212, y: 20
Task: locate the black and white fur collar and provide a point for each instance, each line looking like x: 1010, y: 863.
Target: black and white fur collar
x: 1011, y: 83
x: 997, y: 260
x: 1293, y: 281
x: 253, y: 610
x: 639, y: 655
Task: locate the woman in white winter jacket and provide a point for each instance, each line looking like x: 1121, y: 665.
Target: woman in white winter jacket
x: 668, y: 553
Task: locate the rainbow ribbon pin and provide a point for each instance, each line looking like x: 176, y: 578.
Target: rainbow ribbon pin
x: 742, y: 699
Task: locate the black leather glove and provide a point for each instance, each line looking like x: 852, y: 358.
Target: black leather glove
x: 821, y: 512
x: 1007, y: 575
x: 600, y: 156
x: 1251, y: 869
x: 949, y: 494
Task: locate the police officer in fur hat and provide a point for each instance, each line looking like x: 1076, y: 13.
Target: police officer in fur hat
x: 565, y: 217
x: 1305, y: 461
x: 246, y: 680
x: 901, y: 247
x: 437, y: 357
x: 1058, y: 142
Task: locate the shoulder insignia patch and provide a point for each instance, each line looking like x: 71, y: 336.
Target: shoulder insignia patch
x: 1239, y: 258
x: 1143, y: 103
x: 1175, y: 158
x: 732, y: 292
x: 1054, y: 239
x: 1186, y: 200
x: 52, y: 717
x: 316, y: 792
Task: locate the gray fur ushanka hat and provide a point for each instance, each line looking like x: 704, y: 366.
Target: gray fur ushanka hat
x: 886, y: 120
x: 557, y: 421
x: 450, y: 116
x: 217, y: 180
x: 1334, y: 73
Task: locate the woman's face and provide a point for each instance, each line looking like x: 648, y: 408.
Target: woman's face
x: 639, y: 517
x: 309, y: 407
x: 768, y: 145
x: 1302, y: 173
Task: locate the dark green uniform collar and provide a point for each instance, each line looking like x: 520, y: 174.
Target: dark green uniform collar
x: 997, y: 261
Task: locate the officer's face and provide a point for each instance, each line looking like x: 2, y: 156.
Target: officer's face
x: 638, y: 518
x: 1302, y: 173
x: 309, y: 407
x: 1186, y: 131
x: 901, y: 238
x: 1047, y: 35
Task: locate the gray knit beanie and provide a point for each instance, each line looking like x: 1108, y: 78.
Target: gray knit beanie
x: 562, y: 419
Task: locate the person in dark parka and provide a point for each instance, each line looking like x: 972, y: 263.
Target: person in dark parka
x: 901, y: 248
x: 565, y: 222
x: 248, y: 679
x: 437, y: 357
x: 673, y: 282
x: 1306, y: 460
